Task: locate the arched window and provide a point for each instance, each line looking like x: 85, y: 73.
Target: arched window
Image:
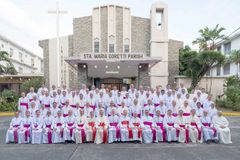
x: 126, y: 45
x: 111, y: 44
x: 96, y: 45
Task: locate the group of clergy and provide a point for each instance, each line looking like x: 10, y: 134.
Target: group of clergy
x: 111, y: 116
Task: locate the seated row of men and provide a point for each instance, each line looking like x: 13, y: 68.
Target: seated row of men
x: 118, y: 128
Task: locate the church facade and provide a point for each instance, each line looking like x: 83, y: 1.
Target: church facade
x: 114, y: 48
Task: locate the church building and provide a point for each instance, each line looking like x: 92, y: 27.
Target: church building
x: 114, y: 48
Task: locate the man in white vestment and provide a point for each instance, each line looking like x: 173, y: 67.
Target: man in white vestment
x: 221, y: 124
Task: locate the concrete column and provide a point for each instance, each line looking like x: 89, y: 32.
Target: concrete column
x: 82, y: 74
x: 143, y: 75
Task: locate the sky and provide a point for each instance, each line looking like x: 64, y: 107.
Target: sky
x: 27, y: 21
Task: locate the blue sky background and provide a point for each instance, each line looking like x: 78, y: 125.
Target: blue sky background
x: 27, y: 21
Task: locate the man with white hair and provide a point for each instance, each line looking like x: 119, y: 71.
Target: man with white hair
x: 91, y: 127
x: 92, y: 101
x: 195, y: 132
x: 162, y: 108
x: 186, y: 109
x: 125, y: 130
x: 168, y: 123
x: 48, y: 127
x: 135, y: 124
x: 24, y: 132
x: 135, y: 107
x: 12, y: 132
x: 58, y: 128
x: 102, y: 128
x: 122, y: 108
x: 31, y: 94
x: 149, y: 107
x: 46, y: 100
x: 148, y: 128
x: 23, y: 103
x: 209, y: 132
x: 68, y: 133
x: 113, y: 130
x: 221, y: 124
x: 37, y: 124
x: 182, y: 127
x: 66, y: 108
x: 80, y: 124
x: 160, y: 132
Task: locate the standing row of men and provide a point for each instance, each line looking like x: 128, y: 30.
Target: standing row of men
x: 103, y: 116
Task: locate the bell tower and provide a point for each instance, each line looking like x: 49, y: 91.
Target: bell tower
x: 159, y: 43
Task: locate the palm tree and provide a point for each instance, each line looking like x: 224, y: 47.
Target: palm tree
x: 209, y: 37
x: 207, y: 41
x: 6, y: 66
x: 235, y: 57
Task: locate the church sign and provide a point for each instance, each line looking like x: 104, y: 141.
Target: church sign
x: 112, y: 56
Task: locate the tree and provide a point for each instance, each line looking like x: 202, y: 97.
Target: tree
x: 6, y: 67
x: 235, y: 57
x: 34, y: 82
x: 209, y: 37
x: 198, y: 64
x: 186, y: 55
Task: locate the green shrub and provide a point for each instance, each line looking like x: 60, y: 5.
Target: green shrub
x: 9, y: 95
x: 232, y: 94
x: 34, y: 82
x: 4, y: 106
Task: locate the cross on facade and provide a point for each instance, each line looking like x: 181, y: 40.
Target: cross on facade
x: 57, y: 11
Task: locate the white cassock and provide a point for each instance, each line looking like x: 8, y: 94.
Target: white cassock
x: 174, y: 110
x: 68, y: 133
x: 209, y: 132
x: 92, y: 102
x: 128, y: 101
x: 24, y: 134
x: 135, y: 109
x: 199, y: 112
x: 63, y: 100
x: 212, y: 112
x: 80, y: 131
x: 151, y: 109
x: 121, y: 109
x: 113, y: 130
x: 195, y: 132
x: 149, y: 133
x: 224, y: 133
x: 47, y: 101
x: 160, y: 132
x: 168, y: 123
x: 55, y: 99
x: 125, y: 130
x: 162, y: 108
x: 12, y: 132
x: 58, y: 129
x: 37, y: 124
x: 43, y: 112
x: 168, y: 101
x: 54, y: 111
x: 109, y: 110
x: 135, y: 124
x: 82, y: 103
x: 72, y: 101
x: 102, y: 129
x: 47, y: 134
x: 186, y: 111
x: 65, y: 110
x: 32, y: 111
x: 23, y: 105
x: 30, y: 96
x: 183, y: 132
x: 90, y: 129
